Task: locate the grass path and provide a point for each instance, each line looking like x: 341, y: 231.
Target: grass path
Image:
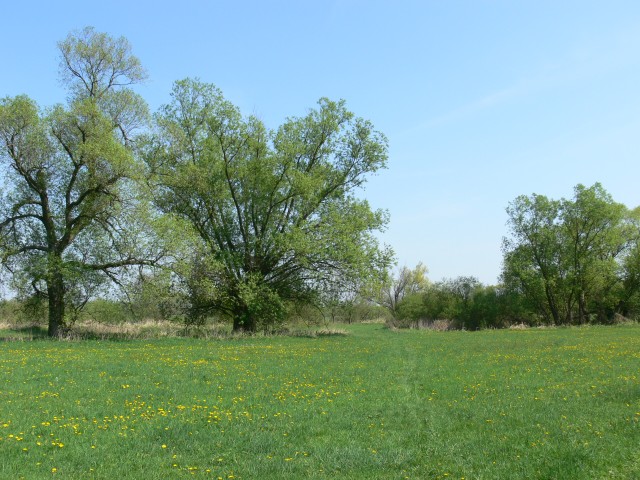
x: 556, y: 403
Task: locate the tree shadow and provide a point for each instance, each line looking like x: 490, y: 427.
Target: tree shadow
x: 23, y: 333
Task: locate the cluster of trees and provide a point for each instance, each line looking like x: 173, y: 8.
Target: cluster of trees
x: 212, y: 207
x: 197, y: 211
x: 568, y: 261
x: 575, y: 260
x: 458, y: 303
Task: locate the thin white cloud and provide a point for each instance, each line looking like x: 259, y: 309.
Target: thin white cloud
x: 598, y: 56
x: 487, y: 102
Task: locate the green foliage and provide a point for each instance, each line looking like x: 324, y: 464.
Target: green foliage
x: 275, y: 211
x: 411, y: 309
x: 71, y: 218
x: 565, y: 257
x: 354, y: 310
x: 155, y: 296
x: 260, y: 304
x: 28, y: 311
x: 406, y: 282
x: 105, y: 311
x: 464, y: 303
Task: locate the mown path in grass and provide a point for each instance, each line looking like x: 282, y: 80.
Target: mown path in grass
x: 555, y: 403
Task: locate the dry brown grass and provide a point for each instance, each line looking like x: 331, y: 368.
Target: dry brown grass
x: 151, y: 329
x: 330, y: 332
x: 375, y: 321
x: 88, y: 329
x: 145, y: 329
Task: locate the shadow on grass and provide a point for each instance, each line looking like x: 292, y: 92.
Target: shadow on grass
x: 24, y: 333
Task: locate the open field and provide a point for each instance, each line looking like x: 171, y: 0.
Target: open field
x: 539, y: 403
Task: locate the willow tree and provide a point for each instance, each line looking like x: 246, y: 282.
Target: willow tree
x: 566, y: 256
x: 69, y: 217
x: 276, y: 211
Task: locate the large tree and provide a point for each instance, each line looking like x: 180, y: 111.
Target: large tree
x: 596, y: 239
x: 70, y: 214
x: 533, y: 264
x: 275, y: 211
x: 565, y: 256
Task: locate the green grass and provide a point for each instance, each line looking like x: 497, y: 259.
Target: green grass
x: 25, y: 332
x: 552, y: 403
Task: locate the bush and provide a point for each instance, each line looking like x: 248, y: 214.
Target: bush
x: 106, y: 311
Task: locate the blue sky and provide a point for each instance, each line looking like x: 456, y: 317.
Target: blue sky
x: 481, y: 100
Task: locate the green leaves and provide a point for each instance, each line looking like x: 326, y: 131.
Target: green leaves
x: 93, y: 63
x: 274, y: 213
x: 71, y: 218
x: 564, y: 255
x: 275, y: 208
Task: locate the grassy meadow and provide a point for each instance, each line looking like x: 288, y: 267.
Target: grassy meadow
x: 375, y: 403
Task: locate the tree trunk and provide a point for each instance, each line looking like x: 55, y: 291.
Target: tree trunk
x: 553, y: 308
x: 582, y: 309
x: 56, y: 291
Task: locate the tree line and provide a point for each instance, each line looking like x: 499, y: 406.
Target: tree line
x: 565, y: 262
x: 196, y: 211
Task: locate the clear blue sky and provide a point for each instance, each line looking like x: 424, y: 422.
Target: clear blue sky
x: 481, y: 100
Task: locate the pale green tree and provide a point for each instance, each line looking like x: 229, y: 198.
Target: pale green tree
x: 70, y: 214
x: 276, y: 212
x: 406, y: 282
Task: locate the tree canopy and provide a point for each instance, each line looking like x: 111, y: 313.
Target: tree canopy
x: 275, y: 211
x: 566, y: 256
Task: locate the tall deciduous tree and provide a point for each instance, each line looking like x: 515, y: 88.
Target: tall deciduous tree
x: 275, y: 210
x: 565, y: 256
x: 533, y: 261
x: 70, y: 211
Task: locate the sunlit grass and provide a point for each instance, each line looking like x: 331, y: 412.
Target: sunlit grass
x: 555, y: 403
